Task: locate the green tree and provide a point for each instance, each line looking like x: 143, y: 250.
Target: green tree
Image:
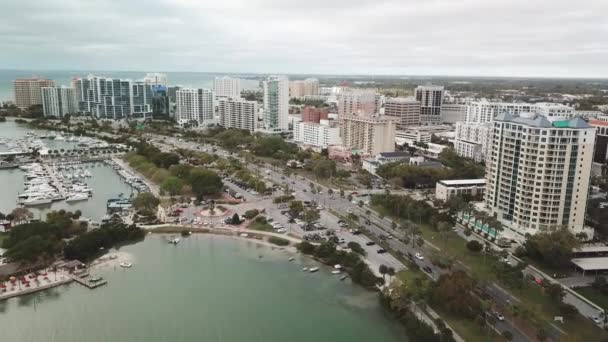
x: 383, y: 269
x: 310, y: 216
x: 172, y: 185
x: 146, y: 202
x: 205, y: 182
x: 295, y: 208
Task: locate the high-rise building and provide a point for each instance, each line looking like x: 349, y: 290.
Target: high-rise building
x: 194, y: 107
x: 105, y: 98
x: 471, y: 140
x: 238, y: 113
x: 431, y: 99
x: 405, y: 110
x: 301, y: 88
x: 453, y: 112
x: 156, y: 79
x: 58, y: 101
x: 554, y: 110
x: 227, y: 87
x: 142, y: 95
x: 484, y: 111
x: 314, y: 115
x: 360, y: 102
x: 320, y: 134
x: 28, y: 91
x: 276, y: 104
x: 368, y: 135
x: 538, y: 172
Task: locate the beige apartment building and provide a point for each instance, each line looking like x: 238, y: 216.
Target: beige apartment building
x: 405, y: 110
x: 368, y: 135
x: 538, y: 172
x: 28, y: 91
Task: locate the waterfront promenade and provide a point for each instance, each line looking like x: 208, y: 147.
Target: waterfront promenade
x: 18, y: 287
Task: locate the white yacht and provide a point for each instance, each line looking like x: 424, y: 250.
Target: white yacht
x: 77, y: 197
x: 37, y: 201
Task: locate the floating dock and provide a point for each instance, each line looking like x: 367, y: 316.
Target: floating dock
x: 88, y: 283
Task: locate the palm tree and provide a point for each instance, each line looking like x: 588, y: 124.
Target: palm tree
x: 383, y: 270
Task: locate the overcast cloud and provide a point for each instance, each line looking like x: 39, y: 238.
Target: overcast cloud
x: 410, y: 37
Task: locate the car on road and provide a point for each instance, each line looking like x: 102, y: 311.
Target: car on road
x: 499, y: 316
x: 596, y: 319
x: 381, y: 251
x: 418, y: 256
x: 370, y: 243
x: 427, y: 269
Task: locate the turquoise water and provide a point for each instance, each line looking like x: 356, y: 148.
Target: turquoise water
x: 207, y: 288
x: 187, y: 79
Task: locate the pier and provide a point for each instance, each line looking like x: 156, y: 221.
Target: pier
x: 88, y: 282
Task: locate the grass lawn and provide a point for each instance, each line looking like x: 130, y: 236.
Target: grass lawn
x: 590, y: 293
x: 260, y: 226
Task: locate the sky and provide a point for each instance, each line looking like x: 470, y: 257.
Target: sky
x: 546, y: 38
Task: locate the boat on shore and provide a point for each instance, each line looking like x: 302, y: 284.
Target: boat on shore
x: 126, y: 264
x: 335, y: 272
x: 313, y: 270
x: 292, y: 259
x: 305, y: 269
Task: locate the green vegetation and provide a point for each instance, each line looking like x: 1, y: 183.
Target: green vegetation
x: 594, y: 294
x: 351, y: 262
x: 174, y: 178
x: 411, y: 176
x: 146, y: 203
x: 356, y: 247
x: 42, y: 240
x: 249, y: 214
x: 278, y: 241
x: 92, y: 243
x: 260, y: 223
x: 536, y: 307
x: 551, y: 249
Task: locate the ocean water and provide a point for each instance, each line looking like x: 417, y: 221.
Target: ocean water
x: 63, y: 77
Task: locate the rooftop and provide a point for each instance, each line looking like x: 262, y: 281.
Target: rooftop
x: 591, y: 264
x: 463, y: 181
x: 591, y: 249
x: 535, y: 120
x: 394, y: 154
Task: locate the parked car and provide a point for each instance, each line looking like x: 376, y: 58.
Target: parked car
x: 427, y: 269
x: 419, y: 256
x: 381, y: 251
x: 370, y: 243
x: 499, y: 316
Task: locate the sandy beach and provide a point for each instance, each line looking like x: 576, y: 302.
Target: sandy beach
x: 112, y: 259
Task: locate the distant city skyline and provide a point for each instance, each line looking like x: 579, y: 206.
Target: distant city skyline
x: 356, y: 37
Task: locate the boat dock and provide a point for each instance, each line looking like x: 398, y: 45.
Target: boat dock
x: 88, y: 282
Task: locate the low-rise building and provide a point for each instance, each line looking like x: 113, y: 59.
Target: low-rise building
x: 466, y: 188
x: 371, y: 165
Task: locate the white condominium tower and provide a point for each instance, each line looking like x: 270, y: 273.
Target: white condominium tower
x: 484, y: 111
x: 58, y: 101
x: 238, y: 113
x: 194, y: 107
x: 538, y: 172
x: 227, y: 87
x: 276, y: 104
x: 431, y: 99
